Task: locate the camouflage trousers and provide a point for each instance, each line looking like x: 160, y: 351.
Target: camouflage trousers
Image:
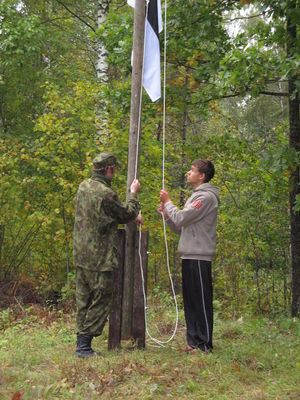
x: 93, y: 298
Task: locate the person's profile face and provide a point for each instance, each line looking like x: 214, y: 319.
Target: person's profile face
x: 110, y: 172
x: 194, y: 176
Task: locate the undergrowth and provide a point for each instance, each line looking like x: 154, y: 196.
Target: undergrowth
x: 254, y: 358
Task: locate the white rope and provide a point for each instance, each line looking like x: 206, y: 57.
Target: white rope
x: 164, y: 95
x: 157, y: 341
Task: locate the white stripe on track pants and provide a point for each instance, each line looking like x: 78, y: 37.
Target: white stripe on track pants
x: 198, y: 303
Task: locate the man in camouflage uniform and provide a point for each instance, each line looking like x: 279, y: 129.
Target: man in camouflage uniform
x: 98, y: 212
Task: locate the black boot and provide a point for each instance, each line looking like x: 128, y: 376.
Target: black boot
x: 84, y: 348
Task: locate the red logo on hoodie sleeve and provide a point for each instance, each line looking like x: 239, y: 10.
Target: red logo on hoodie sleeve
x: 197, y: 204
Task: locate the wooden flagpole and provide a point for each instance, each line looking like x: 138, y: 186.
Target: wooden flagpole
x: 138, y: 49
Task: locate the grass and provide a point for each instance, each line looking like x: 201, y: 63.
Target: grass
x: 254, y: 358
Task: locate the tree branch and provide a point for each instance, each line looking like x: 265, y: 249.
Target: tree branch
x: 75, y: 15
x: 229, y: 191
x: 237, y: 94
x: 278, y: 94
x: 227, y: 20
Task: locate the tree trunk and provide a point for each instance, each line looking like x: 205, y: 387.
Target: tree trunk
x: 257, y: 286
x: 102, y: 66
x: 102, y: 69
x: 294, y: 123
x: 66, y: 243
x: 2, y: 231
x: 284, y: 291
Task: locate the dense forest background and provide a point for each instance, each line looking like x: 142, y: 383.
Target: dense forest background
x: 232, y: 96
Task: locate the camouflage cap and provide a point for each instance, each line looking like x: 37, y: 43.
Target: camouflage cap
x: 103, y: 160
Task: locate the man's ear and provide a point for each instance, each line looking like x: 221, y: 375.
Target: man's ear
x: 106, y: 170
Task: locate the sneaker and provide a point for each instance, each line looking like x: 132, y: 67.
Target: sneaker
x: 188, y: 349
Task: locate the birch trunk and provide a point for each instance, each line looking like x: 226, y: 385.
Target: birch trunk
x: 102, y: 75
x: 102, y: 67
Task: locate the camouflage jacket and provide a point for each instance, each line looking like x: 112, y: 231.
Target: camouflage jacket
x: 98, y: 212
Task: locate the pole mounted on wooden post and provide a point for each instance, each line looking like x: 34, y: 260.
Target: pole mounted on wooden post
x: 133, y: 164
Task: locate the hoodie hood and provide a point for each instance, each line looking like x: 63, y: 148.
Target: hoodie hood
x: 207, y: 187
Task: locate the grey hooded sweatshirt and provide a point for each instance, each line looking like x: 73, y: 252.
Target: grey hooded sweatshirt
x: 196, y: 223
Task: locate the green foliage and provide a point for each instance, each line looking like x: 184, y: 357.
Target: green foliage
x: 53, y: 166
x: 52, y: 108
x: 297, y: 204
x: 69, y: 289
x: 5, y: 319
x: 116, y: 34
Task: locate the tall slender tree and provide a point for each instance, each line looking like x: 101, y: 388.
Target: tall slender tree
x: 102, y: 66
x: 292, y: 50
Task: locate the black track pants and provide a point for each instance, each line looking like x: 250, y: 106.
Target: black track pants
x: 198, y: 303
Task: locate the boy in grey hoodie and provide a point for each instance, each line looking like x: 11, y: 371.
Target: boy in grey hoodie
x: 196, y: 224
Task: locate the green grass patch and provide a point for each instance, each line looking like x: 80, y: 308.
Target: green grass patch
x: 253, y: 359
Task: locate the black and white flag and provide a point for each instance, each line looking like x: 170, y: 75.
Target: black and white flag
x: 151, y: 73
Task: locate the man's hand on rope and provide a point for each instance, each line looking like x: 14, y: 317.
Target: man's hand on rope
x: 164, y: 196
x: 135, y: 186
x: 162, y: 212
x: 161, y: 208
x: 139, y: 220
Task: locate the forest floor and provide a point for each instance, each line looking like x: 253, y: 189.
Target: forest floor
x: 254, y: 358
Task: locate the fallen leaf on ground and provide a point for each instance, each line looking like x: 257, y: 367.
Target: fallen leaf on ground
x: 16, y: 396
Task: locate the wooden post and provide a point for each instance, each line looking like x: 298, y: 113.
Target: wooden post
x: 133, y: 151
x: 115, y: 316
x: 138, y: 316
